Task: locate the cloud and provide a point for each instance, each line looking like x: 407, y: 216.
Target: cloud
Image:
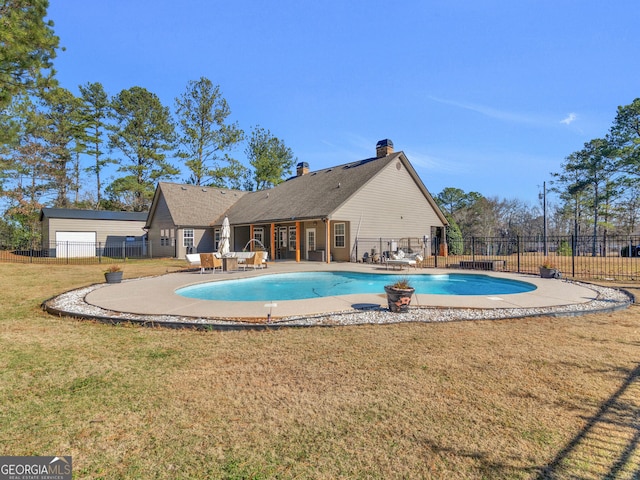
x: 570, y: 119
x: 491, y: 112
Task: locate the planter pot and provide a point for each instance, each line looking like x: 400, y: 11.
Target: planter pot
x: 398, y: 299
x: 550, y: 272
x: 113, y: 277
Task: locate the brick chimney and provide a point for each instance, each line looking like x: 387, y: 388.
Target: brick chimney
x: 302, y: 169
x: 384, y: 148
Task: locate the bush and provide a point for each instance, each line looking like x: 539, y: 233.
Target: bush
x: 454, y: 238
x: 565, y: 249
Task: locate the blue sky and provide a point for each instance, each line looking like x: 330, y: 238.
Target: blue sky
x: 482, y: 95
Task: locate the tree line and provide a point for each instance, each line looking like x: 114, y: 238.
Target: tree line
x: 597, y: 193
x: 56, y: 147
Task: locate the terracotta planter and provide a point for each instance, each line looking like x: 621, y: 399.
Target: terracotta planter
x: 113, y: 277
x: 550, y: 272
x: 398, y: 299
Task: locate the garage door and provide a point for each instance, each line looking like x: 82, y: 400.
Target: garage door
x: 75, y: 244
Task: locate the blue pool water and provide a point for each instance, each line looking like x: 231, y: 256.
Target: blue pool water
x: 298, y: 286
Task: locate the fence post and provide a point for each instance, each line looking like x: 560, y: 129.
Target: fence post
x: 67, y: 242
x: 518, y: 251
x: 437, y: 252
x: 574, y: 246
x: 473, y: 249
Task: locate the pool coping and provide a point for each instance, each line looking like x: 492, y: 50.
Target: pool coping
x: 153, y: 301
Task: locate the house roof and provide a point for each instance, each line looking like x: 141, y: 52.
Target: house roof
x: 92, y: 214
x: 316, y: 194
x: 192, y: 205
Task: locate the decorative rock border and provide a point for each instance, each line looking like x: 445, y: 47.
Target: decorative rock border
x: 73, y: 304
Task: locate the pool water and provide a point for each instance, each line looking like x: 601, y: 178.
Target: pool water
x: 299, y: 286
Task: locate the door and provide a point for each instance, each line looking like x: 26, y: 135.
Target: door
x: 311, y: 242
x: 75, y: 244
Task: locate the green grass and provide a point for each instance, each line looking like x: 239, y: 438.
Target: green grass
x: 491, y: 399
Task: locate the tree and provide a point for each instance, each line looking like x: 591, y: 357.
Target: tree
x: 27, y: 48
x: 27, y: 171
x: 592, y: 168
x: 205, y: 134
x: 625, y: 137
x: 270, y: 158
x: 453, y: 199
x: 95, y: 112
x: 567, y: 185
x: 64, y: 132
x: 144, y: 132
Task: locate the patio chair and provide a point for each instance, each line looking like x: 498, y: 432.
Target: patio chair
x: 209, y: 260
x: 255, y: 261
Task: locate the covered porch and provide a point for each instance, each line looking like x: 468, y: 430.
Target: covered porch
x: 319, y: 239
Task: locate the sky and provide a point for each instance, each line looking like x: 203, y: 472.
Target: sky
x: 483, y: 95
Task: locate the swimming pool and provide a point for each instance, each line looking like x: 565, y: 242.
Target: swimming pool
x: 300, y: 286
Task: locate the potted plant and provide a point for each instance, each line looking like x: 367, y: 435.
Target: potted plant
x: 113, y: 274
x: 399, y: 295
x: 548, y: 269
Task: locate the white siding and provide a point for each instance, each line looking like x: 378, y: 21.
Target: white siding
x: 106, y: 230
x: 390, y: 205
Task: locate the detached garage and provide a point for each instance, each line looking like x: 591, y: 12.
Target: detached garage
x: 89, y: 233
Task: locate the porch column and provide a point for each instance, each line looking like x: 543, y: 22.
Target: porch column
x: 327, y: 230
x: 273, y: 242
x: 298, y: 241
x: 251, y: 238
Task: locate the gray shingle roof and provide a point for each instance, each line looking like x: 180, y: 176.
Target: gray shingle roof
x: 194, y: 206
x: 314, y: 195
x: 92, y: 214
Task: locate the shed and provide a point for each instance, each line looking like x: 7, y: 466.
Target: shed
x: 87, y: 233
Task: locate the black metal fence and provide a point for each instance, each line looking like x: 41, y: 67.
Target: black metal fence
x: 78, y: 253
x: 602, y: 257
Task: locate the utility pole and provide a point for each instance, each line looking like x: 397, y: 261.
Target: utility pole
x: 544, y: 217
x: 543, y: 196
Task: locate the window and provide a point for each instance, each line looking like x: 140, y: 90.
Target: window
x: 258, y: 234
x: 339, y: 230
x: 187, y: 237
x: 164, y: 237
x: 282, y: 237
x: 216, y: 239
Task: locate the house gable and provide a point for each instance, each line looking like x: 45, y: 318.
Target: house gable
x: 394, y: 201
x: 191, y: 205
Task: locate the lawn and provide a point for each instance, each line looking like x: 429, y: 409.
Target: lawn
x: 526, y: 398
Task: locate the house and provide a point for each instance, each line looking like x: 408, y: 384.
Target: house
x: 86, y: 233
x: 180, y: 217
x: 336, y: 213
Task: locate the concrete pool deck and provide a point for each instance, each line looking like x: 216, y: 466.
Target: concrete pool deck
x: 156, y: 295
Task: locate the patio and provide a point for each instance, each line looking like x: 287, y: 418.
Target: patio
x: 154, y: 301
